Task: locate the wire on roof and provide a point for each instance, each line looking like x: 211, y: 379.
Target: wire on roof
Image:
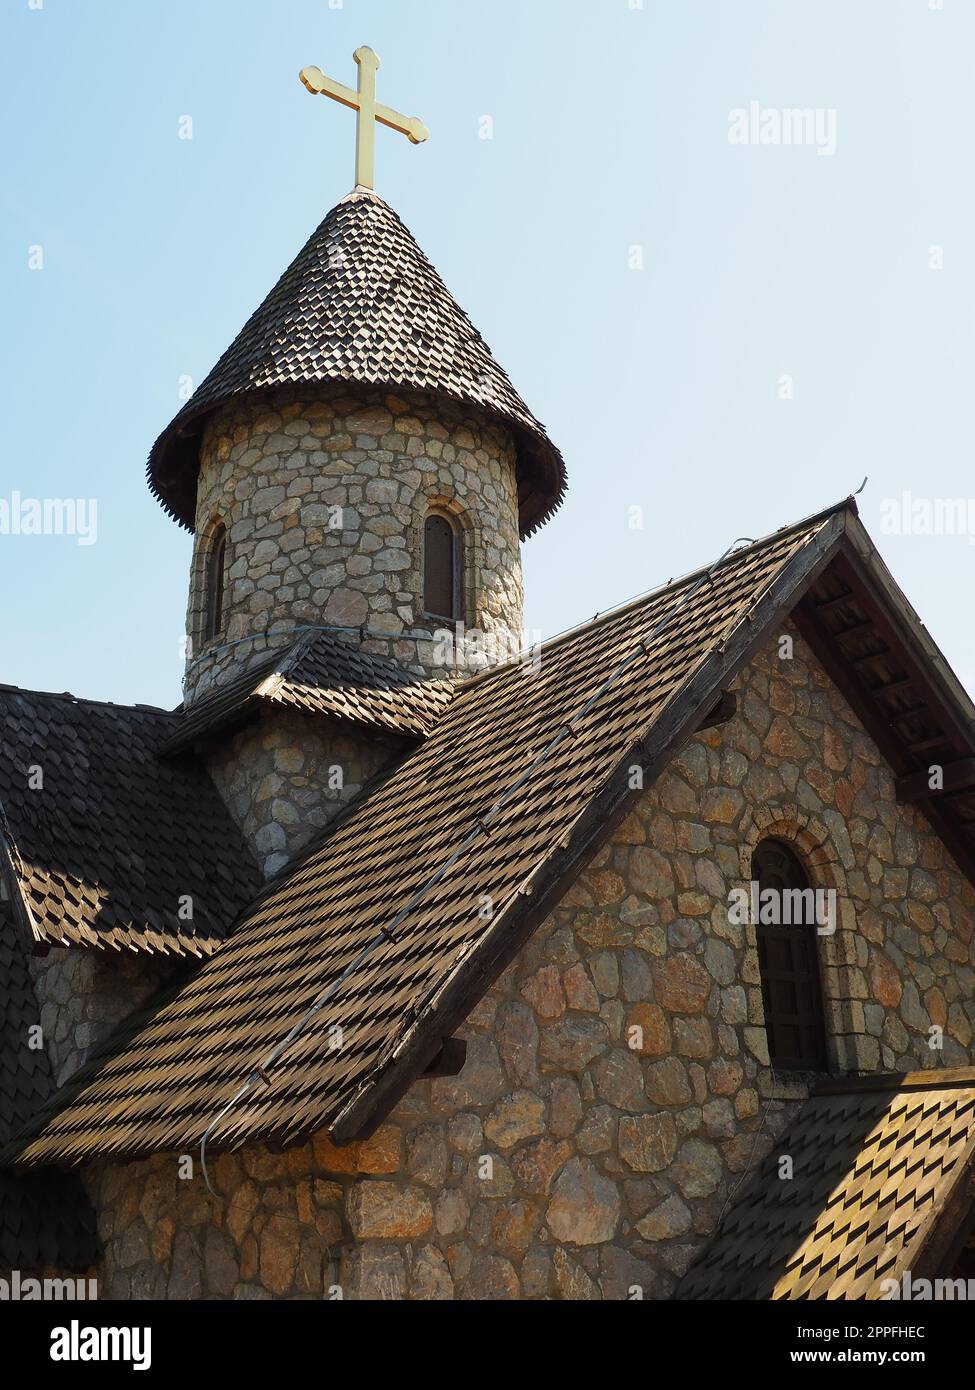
x: 262, y: 1072
x: 425, y: 635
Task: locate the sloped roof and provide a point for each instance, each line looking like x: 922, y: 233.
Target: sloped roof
x: 102, y: 852
x: 878, y: 653
x: 321, y: 674
x: 25, y: 1072
x: 510, y: 792
x: 362, y: 304
x: 880, y: 1186
x: 46, y: 1220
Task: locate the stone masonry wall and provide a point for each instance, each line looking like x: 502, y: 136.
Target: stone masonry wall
x: 275, y: 471
x: 286, y: 777
x: 283, y: 779
x: 573, y: 1158
x: 83, y: 995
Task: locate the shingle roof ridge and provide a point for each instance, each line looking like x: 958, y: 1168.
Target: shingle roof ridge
x: 619, y: 610
x: 294, y: 654
x: 526, y: 876
x: 262, y: 668
x: 81, y: 700
x: 301, y: 670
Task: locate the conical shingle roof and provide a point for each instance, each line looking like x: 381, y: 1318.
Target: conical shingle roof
x: 362, y: 304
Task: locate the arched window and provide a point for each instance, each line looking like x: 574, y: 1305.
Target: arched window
x: 789, y: 960
x: 442, y: 567
x: 216, y: 564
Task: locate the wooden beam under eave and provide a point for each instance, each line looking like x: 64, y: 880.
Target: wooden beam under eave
x: 856, y: 694
x: 958, y: 777
x: 450, y: 1060
x: 663, y: 740
x: 829, y: 604
x: 913, y: 663
x: 935, y: 1078
x: 722, y: 713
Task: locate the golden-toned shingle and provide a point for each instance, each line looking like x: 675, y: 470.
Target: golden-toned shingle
x: 873, y: 1170
x: 104, y: 840
x: 516, y: 779
x: 46, y: 1220
x: 321, y: 674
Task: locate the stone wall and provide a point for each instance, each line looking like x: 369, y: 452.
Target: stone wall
x: 84, y: 994
x: 324, y: 496
x: 574, y: 1157
x: 286, y: 777
x: 283, y: 779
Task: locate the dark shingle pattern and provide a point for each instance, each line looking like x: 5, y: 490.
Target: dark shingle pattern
x: 46, y: 1220
x: 46, y: 1223
x: 25, y: 1073
x: 321, y: 674
x: 870, y: 1173
x: 361, y: 304
x: 331, y: 677
x: 105, y: 850
x: 164, y: 1078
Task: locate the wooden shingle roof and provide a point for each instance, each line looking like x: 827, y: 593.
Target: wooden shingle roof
x: 881, y: 1185
x: 320, y: 674
x: 361, y: 304
x: 46, y: 1220
x: 384, y: 919
x: 26, y: 1079
x: 103, y: 841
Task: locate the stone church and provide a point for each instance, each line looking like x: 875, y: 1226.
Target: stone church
x: 398, y: 963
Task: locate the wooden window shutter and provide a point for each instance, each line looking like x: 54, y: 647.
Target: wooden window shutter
x: 216, y: 564
x: 789, y: 962
x: 440, y: 547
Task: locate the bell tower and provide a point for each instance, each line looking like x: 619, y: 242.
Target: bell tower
x: 357, y: 404
x: 357, y: 461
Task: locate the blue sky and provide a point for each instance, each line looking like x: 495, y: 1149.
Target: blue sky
x: 662, y: 385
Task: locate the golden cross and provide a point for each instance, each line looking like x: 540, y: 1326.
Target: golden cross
x: 368, y: 111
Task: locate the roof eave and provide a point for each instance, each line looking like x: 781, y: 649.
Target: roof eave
x: 514, y: 926
x: 173, y: 465
x: 11, y: 880
x: 932, y: 678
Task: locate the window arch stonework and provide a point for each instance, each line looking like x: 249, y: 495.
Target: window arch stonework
x: 789, y: 964
x: 470, y: 557
x: 212, y: 548
x: 443, y: 567
x: 842, y: 955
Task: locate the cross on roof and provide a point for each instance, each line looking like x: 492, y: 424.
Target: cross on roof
x: 368, y: 112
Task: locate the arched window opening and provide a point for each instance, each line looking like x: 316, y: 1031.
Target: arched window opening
x: 788, y: 959
x: 442, y: 578
x: 215, y: 569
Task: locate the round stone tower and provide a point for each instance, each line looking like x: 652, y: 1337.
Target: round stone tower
x: 324, y: 501
x: 357, y: 465
x: 357, y: 461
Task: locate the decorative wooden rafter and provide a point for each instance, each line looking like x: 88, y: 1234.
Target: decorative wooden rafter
x: 450, y: 1060
x: 959, y: 776
x: 939, y: 728
x: 829, y: 604
x: 722, y: 713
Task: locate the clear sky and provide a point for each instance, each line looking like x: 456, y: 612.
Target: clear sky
x: 663, y: 386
